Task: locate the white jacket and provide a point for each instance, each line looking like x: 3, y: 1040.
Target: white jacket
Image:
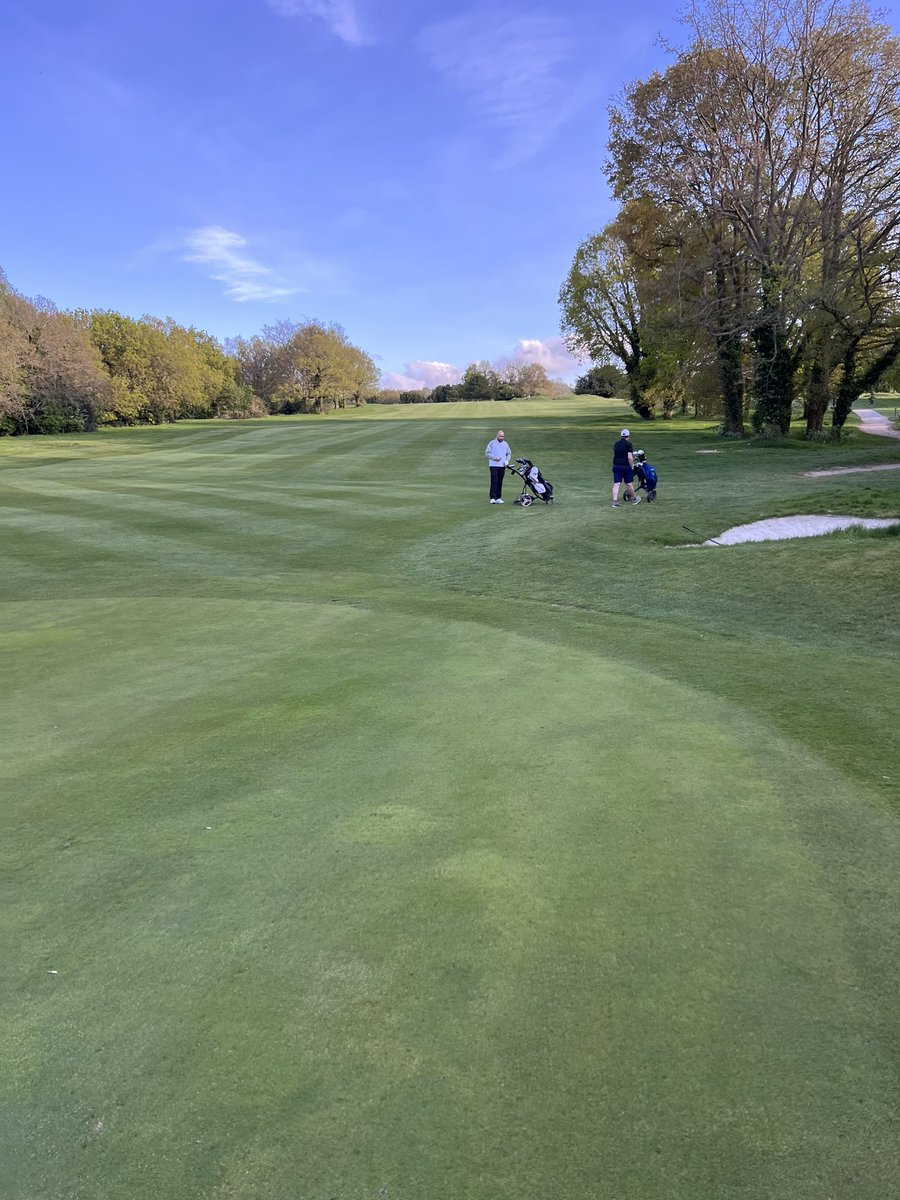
x: 498, y: 453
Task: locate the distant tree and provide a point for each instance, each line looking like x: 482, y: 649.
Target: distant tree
x: 361, y: 375
x: 145, y: 370
x: 328, y: 371
x: 51, y: 378
x: 263, y: 364
x: 445, y: 393
x: 309, y: 367
x: 14, y: 353
x: 601, y: 380
x: 221, y: 391
x: 69, y: 387
x: 477, y: 382
x: 531, y: 380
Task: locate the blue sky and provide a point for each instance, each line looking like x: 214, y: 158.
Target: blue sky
x: 420, y: 173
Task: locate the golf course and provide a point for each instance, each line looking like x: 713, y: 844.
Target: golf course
x: 367, y: 841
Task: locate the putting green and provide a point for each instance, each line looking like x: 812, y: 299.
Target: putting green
x: 319, y: 898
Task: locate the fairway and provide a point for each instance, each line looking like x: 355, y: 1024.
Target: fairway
x: 366, y: 840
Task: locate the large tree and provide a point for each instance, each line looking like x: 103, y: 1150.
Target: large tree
x: 602, y: 314
x: 777, y: 129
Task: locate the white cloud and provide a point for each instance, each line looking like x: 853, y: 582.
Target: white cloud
x: 401, y: 383
x: 553, y: 355
x: 434, y: 373
x: 509, y: 66
x: 244, y: 278
x: 421, y: 375
x: 340, y: 16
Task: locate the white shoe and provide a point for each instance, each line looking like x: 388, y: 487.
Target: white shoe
x: 493, y: 502
x: 498, y: 501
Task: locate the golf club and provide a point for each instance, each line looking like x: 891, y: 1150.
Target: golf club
x: 700, y: 535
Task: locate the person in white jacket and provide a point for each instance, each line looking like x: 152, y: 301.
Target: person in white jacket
x: 498, y: 455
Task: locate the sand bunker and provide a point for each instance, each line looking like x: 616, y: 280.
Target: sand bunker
x: 776, y: 529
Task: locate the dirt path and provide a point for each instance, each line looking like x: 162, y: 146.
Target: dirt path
x: 870, y: 421
x: 853, y: 470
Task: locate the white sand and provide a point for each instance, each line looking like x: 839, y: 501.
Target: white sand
x: 776, y: 529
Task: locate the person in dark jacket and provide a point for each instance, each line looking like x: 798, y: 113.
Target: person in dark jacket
x: 623, y: 470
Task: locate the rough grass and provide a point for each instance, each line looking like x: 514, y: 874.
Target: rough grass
x: 367, y: 840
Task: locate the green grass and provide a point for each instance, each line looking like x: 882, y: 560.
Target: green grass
x: 365, y: 840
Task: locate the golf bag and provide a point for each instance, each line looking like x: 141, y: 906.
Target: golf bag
x: 534, y: 485
x: 646, y: 474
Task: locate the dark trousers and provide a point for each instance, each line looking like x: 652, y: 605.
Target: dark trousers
x: 497, y: 474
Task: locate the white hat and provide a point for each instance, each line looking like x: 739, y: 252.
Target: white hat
x: 625, y: 433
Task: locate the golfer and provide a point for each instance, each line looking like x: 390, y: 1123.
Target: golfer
x: 498, y: 455
x: 623, y: 469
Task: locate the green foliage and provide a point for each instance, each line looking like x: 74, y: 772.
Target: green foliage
x: 161, y: 371
x: 603, y: 313
x: 51, y: 379
x: 505, y: 380
x: 601, y: 380
x: 890, y: 378
x: 236, y: 402
x: 311, y: 367
x: 478, y: 382
x: 445, y: 393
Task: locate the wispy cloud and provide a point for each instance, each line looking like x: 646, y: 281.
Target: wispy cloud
x: 509, y: 64
x: 244, y: 278
x: 341, y: 17
x: 419, y: 375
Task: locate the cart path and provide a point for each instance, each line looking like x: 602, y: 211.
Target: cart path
x: 870, y: 421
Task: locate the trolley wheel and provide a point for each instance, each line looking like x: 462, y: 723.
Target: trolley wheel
x: 525, y: 501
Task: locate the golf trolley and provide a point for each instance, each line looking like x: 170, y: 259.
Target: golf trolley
x: 534, y: 485
x: 646, y: 475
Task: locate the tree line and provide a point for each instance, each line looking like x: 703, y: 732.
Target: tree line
x: 754, y: 260
x: 68, y: 372
x: 508, y: 379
